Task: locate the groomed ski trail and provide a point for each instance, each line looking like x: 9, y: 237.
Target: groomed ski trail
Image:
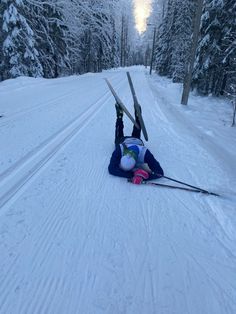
x: 77, y: 240
x: 16, y: 176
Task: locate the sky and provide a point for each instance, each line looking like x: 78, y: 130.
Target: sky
x: 142, y: 12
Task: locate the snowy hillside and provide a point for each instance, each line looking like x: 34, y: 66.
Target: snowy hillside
x: 74, y: 239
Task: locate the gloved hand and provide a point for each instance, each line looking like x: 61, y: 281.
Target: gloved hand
x: 139, y: 176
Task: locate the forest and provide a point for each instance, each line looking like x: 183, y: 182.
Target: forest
x: 51, y: 38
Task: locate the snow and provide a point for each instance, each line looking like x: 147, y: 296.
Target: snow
x: 74, y: 239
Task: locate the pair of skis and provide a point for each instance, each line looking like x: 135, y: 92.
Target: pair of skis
x: 137, y: 106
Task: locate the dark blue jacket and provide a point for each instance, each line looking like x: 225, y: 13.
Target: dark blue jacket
x: 153, y: 164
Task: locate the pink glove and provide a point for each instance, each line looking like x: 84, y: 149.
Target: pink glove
x: 139, y: 175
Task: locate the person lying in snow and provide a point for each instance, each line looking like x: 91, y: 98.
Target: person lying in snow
x: 131, y: 159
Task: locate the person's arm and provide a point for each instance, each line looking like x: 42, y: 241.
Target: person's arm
x: 114, y: 168
x: 154, y: 165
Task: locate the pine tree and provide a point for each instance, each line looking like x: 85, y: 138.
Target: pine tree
x: 52, y: 38
x: 20, y: 55
x: 229, y: 50
x: 174, y: 39
x: 51, y: 33
x: 2, y: 65
x: 181, y: 41
x: 216, y: 51
x: 163, y: 52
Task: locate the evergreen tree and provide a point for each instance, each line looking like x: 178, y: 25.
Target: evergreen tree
x: 53, y: 38
x: 216, y: 51
x: 127, y: 34
x: 181, y: 41
x: 208, y: 66
x: 229, y: 50
x: 51, y: 34
x: 20, y: 56
x: 174, y: 39
x: 2, y: 65
x: 214, y: 69
x: 165, y: 34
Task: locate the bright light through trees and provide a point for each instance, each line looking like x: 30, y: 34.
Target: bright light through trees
x: 142, y: 12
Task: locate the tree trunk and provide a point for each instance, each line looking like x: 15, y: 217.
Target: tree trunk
x: 153, y: 48
x: 234, y: 103
x: 122, y: 43
x: 189, y: 72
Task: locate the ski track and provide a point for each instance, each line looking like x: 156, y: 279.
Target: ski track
x: 80, y: 251
x: 73, y: 92
x: 15, y: 177
x: 51, y: 102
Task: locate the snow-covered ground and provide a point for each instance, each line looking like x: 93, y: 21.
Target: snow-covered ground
x: 74, y: 239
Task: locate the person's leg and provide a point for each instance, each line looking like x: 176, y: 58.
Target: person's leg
x: 136, y: 132
x: 119, y: 131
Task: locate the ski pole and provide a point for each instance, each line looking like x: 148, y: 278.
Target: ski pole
x: 179, y: 187
x: 191, y: 186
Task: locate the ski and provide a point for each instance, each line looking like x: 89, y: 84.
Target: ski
x: 137, y: 107
x: 120, y: 103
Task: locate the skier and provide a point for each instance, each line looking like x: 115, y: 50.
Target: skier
x: 131, y: 159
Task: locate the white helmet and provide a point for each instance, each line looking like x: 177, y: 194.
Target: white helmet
x: 127, y: 162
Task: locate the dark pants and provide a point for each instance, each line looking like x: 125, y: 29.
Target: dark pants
x: 119, y: 132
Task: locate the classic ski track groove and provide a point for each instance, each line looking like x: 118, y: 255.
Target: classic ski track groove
x: 46, y: 287
x: 31, y: 164
x: 53, y: 101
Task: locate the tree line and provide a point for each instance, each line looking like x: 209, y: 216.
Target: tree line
x: 50, y: 38
x: 215, y: 62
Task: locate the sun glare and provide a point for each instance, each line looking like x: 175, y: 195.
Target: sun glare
x: 142, y: 12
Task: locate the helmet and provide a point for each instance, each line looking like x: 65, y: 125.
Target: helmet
x: 127, y: 162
